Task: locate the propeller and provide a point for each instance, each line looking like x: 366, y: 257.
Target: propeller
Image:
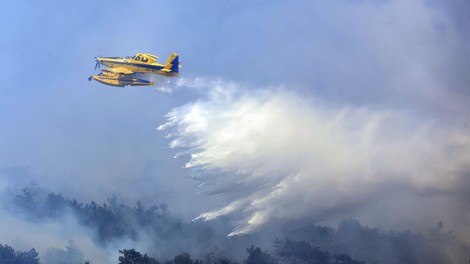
x: 97, y: 65
x: 89, y: 78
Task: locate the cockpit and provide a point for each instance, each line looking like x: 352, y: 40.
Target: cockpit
x: 145, y: 58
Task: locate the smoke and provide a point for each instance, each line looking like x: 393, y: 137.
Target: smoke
x: 269, y: 155
x: 277, y: 156
x: 49, y: 236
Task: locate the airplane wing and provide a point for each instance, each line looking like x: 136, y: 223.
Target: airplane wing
x: 120, y: 70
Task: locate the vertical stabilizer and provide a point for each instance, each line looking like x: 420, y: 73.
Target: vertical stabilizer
x: 172, y: 63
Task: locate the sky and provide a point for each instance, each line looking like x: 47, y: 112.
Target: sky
x: 374, y: 89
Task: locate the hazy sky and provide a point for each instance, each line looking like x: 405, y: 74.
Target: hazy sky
x: 87, y: 140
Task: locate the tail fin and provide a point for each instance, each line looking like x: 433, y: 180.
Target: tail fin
x: 172, y: 63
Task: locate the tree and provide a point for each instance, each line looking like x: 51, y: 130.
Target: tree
x: 29, y: 257
x: 9, y: 256
x: 183, y: 258
x: 132, y: 256
x: 216, y: 257
x: 71, y: 254
x: 257, y: 256
x: 304, y: 252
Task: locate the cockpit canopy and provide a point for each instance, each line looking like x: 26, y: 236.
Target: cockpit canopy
x: 145, y: 58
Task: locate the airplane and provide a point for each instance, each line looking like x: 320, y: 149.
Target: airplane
x: 123, y: 71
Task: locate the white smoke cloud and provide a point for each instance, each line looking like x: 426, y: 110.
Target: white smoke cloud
x: 277, y: 156
x: 43, y: 235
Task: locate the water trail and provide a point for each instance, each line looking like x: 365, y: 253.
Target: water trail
x: 277, y: 156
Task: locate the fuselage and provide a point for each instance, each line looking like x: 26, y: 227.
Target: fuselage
x: 135, y: 66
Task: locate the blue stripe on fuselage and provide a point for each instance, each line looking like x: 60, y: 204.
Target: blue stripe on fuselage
x: 146, y: 66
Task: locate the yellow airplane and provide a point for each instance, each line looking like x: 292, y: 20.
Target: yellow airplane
x: 122, y: 71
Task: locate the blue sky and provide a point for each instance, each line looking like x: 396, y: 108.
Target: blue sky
x: 90, y: 140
